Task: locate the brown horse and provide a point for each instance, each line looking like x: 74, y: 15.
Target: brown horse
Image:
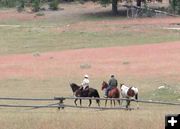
x: 113, y: 93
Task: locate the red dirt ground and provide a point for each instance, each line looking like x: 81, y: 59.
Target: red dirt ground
x: 116, y: 25
x: 137, y: 61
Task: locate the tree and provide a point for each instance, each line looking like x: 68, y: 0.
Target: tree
x: 175, y: 5
x: 20, y: 5
x: 115, y: 3
x: 8, y: 3
x: 139, y: 3
x: 36, y: 5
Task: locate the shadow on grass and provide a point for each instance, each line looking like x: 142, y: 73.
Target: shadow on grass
x: 105, y: 15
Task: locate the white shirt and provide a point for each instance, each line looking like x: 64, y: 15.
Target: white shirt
x: 85, y: 82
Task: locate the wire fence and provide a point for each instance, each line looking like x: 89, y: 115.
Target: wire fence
x: 29, y: 99
x: 136, y: 11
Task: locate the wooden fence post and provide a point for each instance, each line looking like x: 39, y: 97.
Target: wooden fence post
x: 61, y: 102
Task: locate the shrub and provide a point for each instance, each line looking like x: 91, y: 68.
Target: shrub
x: 40, y: 14
x: 35, y: 5
x: 8, y: 3
x: 53, y: 5
x: 20, y: 5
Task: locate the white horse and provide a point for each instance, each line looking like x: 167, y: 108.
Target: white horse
x: 129, y: 93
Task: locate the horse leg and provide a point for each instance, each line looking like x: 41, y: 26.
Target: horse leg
x: 119, y: 102
x: 114, y: 103
x: 75, y: 101
x: 111, y: 103
x: 136, y: 98
x: 90, y: 101
x: 98, y: 102
x: 80, y: 102
x: 128, y: 103
x: 105, y: 102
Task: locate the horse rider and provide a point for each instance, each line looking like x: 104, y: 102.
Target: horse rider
x: 113, y: 83
x: 85, y: 83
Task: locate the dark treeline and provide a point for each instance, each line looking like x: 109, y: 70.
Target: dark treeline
x: 34, y: 4
x: 14, y: 3
x: 53, y: 4
x: 175, y: 5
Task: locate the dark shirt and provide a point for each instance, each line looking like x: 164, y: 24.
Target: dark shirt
x: 113, y: 82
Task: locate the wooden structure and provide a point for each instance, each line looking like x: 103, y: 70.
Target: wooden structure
x: 136, y: 11
x: 61, y: 103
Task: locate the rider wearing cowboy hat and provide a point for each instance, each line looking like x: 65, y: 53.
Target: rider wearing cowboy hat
x: 85, y: 82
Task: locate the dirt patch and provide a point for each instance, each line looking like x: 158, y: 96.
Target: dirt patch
x: 14, y: 15
x: 158, y: 60
x: 117, y: 25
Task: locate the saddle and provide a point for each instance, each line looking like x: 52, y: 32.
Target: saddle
x: 85, y: 91
x: 111, y: 89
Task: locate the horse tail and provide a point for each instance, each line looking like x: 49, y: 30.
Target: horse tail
x: 136, y: 96
x: 97, y: 96
x: 118, y: 92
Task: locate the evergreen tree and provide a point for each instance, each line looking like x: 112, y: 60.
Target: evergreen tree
x: 175, y: 5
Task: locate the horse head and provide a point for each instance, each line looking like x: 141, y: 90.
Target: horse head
x: 121, y: 84
x: 104, y: 85
x: 74, y: 87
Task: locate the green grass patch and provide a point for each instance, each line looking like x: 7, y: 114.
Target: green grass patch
x: 43, y: 39
x: 40, y: 35
x: 168, y: 93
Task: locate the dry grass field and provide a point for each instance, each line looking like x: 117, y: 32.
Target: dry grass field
x: 40, y: 55
x: 149, y: 117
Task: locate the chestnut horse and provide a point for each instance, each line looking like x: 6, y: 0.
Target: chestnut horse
x: 113, y: 93
x: 91, y: 92
x: 129, y: 92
